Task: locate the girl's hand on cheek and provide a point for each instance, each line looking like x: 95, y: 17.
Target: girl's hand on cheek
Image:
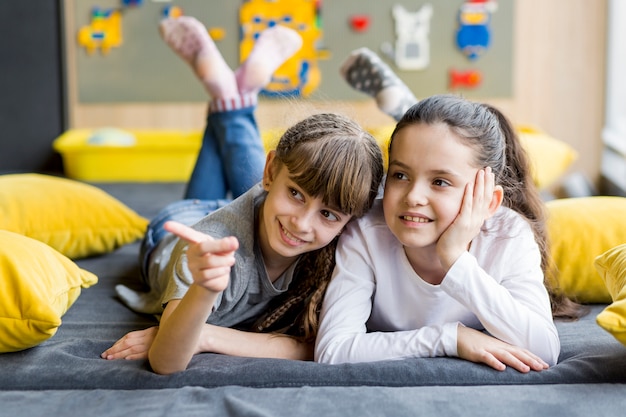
x: 209, y: 260
x: 473, y: 213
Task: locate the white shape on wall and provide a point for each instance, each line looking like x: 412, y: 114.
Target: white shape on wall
x: 412, y: 45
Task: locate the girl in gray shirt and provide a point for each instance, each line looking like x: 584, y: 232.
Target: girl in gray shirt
x: 260, y: 263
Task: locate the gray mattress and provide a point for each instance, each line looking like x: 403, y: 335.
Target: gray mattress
x: 66, y: 373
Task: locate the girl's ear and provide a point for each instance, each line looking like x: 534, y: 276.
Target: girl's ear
x: 496, y: 199
x: 269, y: 172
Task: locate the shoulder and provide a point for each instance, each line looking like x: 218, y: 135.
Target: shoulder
x: 370, y: 231
x: 507, y: 223
x: 242, y: 208
x: 245, y: 204
x: 371, y: 223
x: 236, y: 218
x: 508, y: 234
x: 374, y: 217
x: 506, y: 245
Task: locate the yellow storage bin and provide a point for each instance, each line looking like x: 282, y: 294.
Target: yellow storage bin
x: 170, y: 155
x: 134, y: 155
x: 152, y: 156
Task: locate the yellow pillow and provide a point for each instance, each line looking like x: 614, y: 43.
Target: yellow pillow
x: 549, y: 157
x: 38, y: 286
x: 611, y: 266
x: 580, y: 229
x: 383, y: 136
x: 270, y: 138
x: 75, y: 218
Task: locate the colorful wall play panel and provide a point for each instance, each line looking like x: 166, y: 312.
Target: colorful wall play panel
x: 141, y: 68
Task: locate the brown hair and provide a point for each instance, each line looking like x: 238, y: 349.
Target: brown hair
x: 331, y: 157
x: 497, y: 145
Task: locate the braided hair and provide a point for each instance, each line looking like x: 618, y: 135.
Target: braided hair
x: 331, y: 157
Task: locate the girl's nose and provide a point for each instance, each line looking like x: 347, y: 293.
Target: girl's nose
x: 416, y: 196
x: 303, y: 221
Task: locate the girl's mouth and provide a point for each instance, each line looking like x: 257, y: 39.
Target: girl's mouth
x: 290, y: 238
x: 415, y: 219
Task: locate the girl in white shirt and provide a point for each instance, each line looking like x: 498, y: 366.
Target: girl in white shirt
x: 455, y: 247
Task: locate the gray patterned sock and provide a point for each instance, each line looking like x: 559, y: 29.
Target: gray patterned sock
x: 366, y: 72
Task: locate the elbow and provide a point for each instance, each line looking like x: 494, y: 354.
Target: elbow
x: 158, y: 368
x: 161, y: 367
x: 555, y: 351
x: 164, y: 370
x: 159, y: 371
x: 550, y: 349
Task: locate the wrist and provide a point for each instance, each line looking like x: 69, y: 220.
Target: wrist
x: 449, y: 257
x: 200, y: 292
x: 205, y: 342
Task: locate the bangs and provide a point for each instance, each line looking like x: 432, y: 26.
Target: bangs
x: 335, y: 170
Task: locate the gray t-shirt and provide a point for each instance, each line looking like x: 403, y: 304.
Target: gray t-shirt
x: 249, y: 290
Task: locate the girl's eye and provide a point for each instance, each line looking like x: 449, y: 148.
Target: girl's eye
x: 441, y: 183
x: 296, y: 194
x: 329, y: 216
x: 399, y: 176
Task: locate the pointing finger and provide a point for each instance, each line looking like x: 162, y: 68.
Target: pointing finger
x: 185, y: 232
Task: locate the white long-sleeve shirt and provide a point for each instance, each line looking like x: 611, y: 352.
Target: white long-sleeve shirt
x: 376, y: 306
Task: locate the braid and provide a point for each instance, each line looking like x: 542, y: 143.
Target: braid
x: 333, y: 159
x: 296, y: 312
x: 277, y: 313
x: 324, y: 265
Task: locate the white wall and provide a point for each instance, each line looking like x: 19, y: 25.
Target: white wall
x: 614, y: 132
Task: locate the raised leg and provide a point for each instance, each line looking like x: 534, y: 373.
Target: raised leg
x: 366, y: 72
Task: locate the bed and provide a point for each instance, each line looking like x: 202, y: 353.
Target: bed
x: 64, y: 375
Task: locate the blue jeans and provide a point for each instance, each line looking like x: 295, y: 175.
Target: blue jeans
x: 231, y: 160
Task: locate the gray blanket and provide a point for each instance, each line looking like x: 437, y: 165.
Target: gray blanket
x: 584, y: 400
x: 60, y: 369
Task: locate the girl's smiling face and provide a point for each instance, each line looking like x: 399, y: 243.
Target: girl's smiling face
x: 429, y: 168
x: 293, y: 222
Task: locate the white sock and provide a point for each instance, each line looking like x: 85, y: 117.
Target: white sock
x: 191, y: 41
x: 273, y: 47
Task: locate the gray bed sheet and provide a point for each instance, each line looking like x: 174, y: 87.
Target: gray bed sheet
x: 580, y: 400
x: 67, y: 372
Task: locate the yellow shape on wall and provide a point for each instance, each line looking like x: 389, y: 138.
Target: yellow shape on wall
x: 217, y: 33
x: 299, y: 75
x: 104, y: 31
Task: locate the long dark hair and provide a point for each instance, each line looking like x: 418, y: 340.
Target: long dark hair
x: 492, y: 136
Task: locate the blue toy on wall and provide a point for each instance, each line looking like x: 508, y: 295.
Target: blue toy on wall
x: 474, y: 34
